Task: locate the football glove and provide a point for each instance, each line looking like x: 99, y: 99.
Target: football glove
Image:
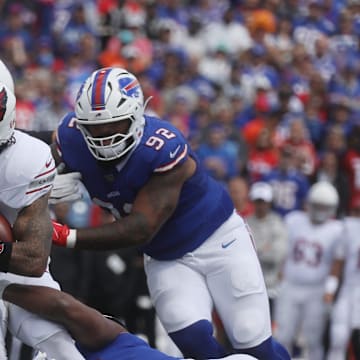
x: 66, y: 187
x: 63, y: 235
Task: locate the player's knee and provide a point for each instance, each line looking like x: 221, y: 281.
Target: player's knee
x: 197, y: 341
x: 249, y: 327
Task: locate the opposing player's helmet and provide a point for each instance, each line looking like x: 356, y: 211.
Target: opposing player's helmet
x: 7, y: 114
x: 110, y: 95
x: 323, y: 200
x: 6, y: 78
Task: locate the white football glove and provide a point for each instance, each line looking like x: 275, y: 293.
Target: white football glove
x: 66, y: 187
x: 41, y: 356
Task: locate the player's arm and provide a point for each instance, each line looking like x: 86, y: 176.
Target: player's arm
x: 154, y: 204
x: 55, y: 154
x: 54, y: 305
x: 32, y: 230
x: 66, y: 185
x: 333, y: 280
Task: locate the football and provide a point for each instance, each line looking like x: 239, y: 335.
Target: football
x: 6, y: 234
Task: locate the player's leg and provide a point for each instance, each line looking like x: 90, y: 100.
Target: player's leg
x: 37, y: 332
x: 183, y: 305
x: 340, y: 327
x: 236, y: 283
x: 314, y: 321
x: 287, y: 315
x: 355, y: 320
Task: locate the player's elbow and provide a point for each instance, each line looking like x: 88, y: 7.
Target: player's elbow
x: 37, y: 269
x: 36, y: 266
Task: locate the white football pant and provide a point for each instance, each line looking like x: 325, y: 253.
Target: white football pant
x: 225, y: 272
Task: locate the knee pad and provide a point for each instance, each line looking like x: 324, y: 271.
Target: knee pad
x: 197, y: 341
x: 269, y: 349
x: 249, y: 327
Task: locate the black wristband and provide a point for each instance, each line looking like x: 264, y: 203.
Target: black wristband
x: 5, y: 255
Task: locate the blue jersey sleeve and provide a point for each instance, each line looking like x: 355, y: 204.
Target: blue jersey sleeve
x: 163, y: 146
x: 70, y: 144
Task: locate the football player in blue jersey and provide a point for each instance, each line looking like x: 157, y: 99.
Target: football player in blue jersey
x: 98, y: 337
x: 197, y: 250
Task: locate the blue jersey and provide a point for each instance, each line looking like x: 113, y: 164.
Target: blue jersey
x: 126, y: 347
x: 290, y: 190
x: 203, y: 206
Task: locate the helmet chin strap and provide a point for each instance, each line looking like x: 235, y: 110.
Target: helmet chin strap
x: 9, y: 142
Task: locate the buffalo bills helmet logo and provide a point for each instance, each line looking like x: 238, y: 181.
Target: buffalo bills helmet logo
x: 80, y: 92
x: 3, y: 102
x: 130, y: 87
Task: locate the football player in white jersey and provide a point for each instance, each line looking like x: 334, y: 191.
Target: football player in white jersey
x: 314, y: 248
x: 27, y: 171
x: 345, y: 316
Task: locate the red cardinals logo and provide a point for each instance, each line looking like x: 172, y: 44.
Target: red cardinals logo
x: 2, y: 247
x: 3, y: 102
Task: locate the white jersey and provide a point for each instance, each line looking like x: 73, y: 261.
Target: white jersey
x: 352, y: 252
x: 27, y: 171
x: 312, y: 248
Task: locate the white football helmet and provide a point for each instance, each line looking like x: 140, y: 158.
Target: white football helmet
x: 110, y: 95
x: 6, y: 78
x: 323, y: 200
x: 7, y: 114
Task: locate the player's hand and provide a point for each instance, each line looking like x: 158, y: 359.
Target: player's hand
x: 63, y: 235
x: 66, y: 187
x: 328, y: 298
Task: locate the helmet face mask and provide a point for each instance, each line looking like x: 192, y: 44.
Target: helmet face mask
x: 109, y: 97
x: 323, y: 200
x: 320, y: 213
x: 109, y: 146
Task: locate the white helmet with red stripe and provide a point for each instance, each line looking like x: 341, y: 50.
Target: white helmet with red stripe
x: 110, y: 95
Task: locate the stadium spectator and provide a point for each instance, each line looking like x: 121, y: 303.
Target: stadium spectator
x: 262, y: 158
x: 270, y: 236
x: 290, y: 186
x: 218, y: 154
x: 351, y: 162
x: 239, y: 192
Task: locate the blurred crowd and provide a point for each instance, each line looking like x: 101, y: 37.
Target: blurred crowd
x: 264, y: 90
x: 243, y: 79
